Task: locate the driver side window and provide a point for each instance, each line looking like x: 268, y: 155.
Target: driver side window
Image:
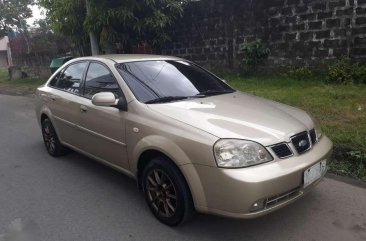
x: 100, y: 79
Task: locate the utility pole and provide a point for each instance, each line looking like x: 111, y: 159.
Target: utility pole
x: 93, y: 38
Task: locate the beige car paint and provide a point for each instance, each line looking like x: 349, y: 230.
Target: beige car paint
x: 254, y: 118
x: 186, y: 131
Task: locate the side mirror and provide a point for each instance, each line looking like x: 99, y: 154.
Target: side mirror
x: 109, y: 99
x: 104, y: 99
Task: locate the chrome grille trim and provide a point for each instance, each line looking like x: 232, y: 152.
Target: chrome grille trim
x: 281, y: 198
x: 313, y: 136
x: 273, y: 148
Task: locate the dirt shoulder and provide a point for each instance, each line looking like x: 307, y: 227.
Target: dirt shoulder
x: 16, y: 90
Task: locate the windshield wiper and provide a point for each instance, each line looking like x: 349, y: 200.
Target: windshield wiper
x: 199, y: 95
x: 166, y: 99
x: 214, y: 92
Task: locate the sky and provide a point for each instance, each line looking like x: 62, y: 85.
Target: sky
x: 37, y: 14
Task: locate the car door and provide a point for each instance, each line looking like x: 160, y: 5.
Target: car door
x: 64, y: 102
x: 103, y: 127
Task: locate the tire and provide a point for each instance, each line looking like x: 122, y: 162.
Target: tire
x: 51, y: 140
x: 170, y: 200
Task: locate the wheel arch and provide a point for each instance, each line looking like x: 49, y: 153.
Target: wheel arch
x: 156, y: 144
x: 152, y: 146
x: 144, y: 152
x: 43, y: 117
x: 146, y: 157
x: 45, y: 113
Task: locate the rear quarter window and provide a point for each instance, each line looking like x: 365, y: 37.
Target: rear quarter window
x: 54, y: 80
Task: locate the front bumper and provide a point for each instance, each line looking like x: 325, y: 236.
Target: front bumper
x: 232, y: 192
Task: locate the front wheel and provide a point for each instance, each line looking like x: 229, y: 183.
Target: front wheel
x: 166, y: 192
x: 51, y: 141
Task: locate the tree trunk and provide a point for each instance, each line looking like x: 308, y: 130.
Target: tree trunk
x: 94, y: 44
x: 93, y: 38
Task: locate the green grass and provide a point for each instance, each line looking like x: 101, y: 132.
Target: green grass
x: 3, y: 74
x: 19, y: 86
x: 340, y: 110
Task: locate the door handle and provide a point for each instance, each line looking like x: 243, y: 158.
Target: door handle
x: 44, y: 96
x: 83, y: 108
x: 53, y: 97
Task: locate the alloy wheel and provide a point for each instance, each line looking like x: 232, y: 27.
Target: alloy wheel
x: 49, y: 138
x: 162, y: 193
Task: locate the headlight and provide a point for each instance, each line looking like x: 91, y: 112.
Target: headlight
x: 233, y: 153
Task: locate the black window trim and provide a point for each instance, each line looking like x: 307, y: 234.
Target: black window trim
x: 83, y: 78
x: 63, y: 70
x: 86, y: 72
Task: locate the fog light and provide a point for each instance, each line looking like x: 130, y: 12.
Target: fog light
x: 257, y: 206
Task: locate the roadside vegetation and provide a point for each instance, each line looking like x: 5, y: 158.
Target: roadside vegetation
x: 25, y: 86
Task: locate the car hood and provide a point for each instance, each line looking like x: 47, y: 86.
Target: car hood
x: 239, y: 115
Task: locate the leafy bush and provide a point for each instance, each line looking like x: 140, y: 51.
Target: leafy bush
x: 358, y: 155
x: 254, y: 54
x: 359, y: 159
x: 359, y: 74
x: 350, y: 163
x: 346, y: 71
x: 301, y: 73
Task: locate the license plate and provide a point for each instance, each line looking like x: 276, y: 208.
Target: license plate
x: 314, y: 172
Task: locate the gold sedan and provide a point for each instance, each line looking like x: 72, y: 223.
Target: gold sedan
x: 190, y: 140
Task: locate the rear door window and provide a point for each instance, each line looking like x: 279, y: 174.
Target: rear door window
x: 71, y: 78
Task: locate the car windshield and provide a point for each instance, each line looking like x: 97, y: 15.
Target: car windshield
x: 159, y: 81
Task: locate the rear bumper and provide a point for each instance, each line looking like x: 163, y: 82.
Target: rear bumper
x: 232, y: 192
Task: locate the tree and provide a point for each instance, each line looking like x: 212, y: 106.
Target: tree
x: 13, y: 13
x: 40, y: 27
x: 128, y: 22
x: 42, y: 39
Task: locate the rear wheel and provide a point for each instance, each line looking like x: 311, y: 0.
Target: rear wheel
x: 51, y: 141
x: 166, y: 192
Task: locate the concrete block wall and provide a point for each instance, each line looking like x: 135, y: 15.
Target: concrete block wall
x: 34, y: 65
x: 316, y: 31
x: 298, y: 32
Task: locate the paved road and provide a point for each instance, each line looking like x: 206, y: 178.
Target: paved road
x: 75, y: 198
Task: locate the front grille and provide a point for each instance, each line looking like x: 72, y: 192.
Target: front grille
x: 282, y: 150
x: 313, y: 136
x: 283, y: 197
x: 301, y: 142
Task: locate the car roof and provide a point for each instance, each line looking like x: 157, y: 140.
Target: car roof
x: 123, y: 58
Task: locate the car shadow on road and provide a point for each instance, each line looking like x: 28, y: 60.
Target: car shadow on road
x: 202, y: 226
x: 276, y: 224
